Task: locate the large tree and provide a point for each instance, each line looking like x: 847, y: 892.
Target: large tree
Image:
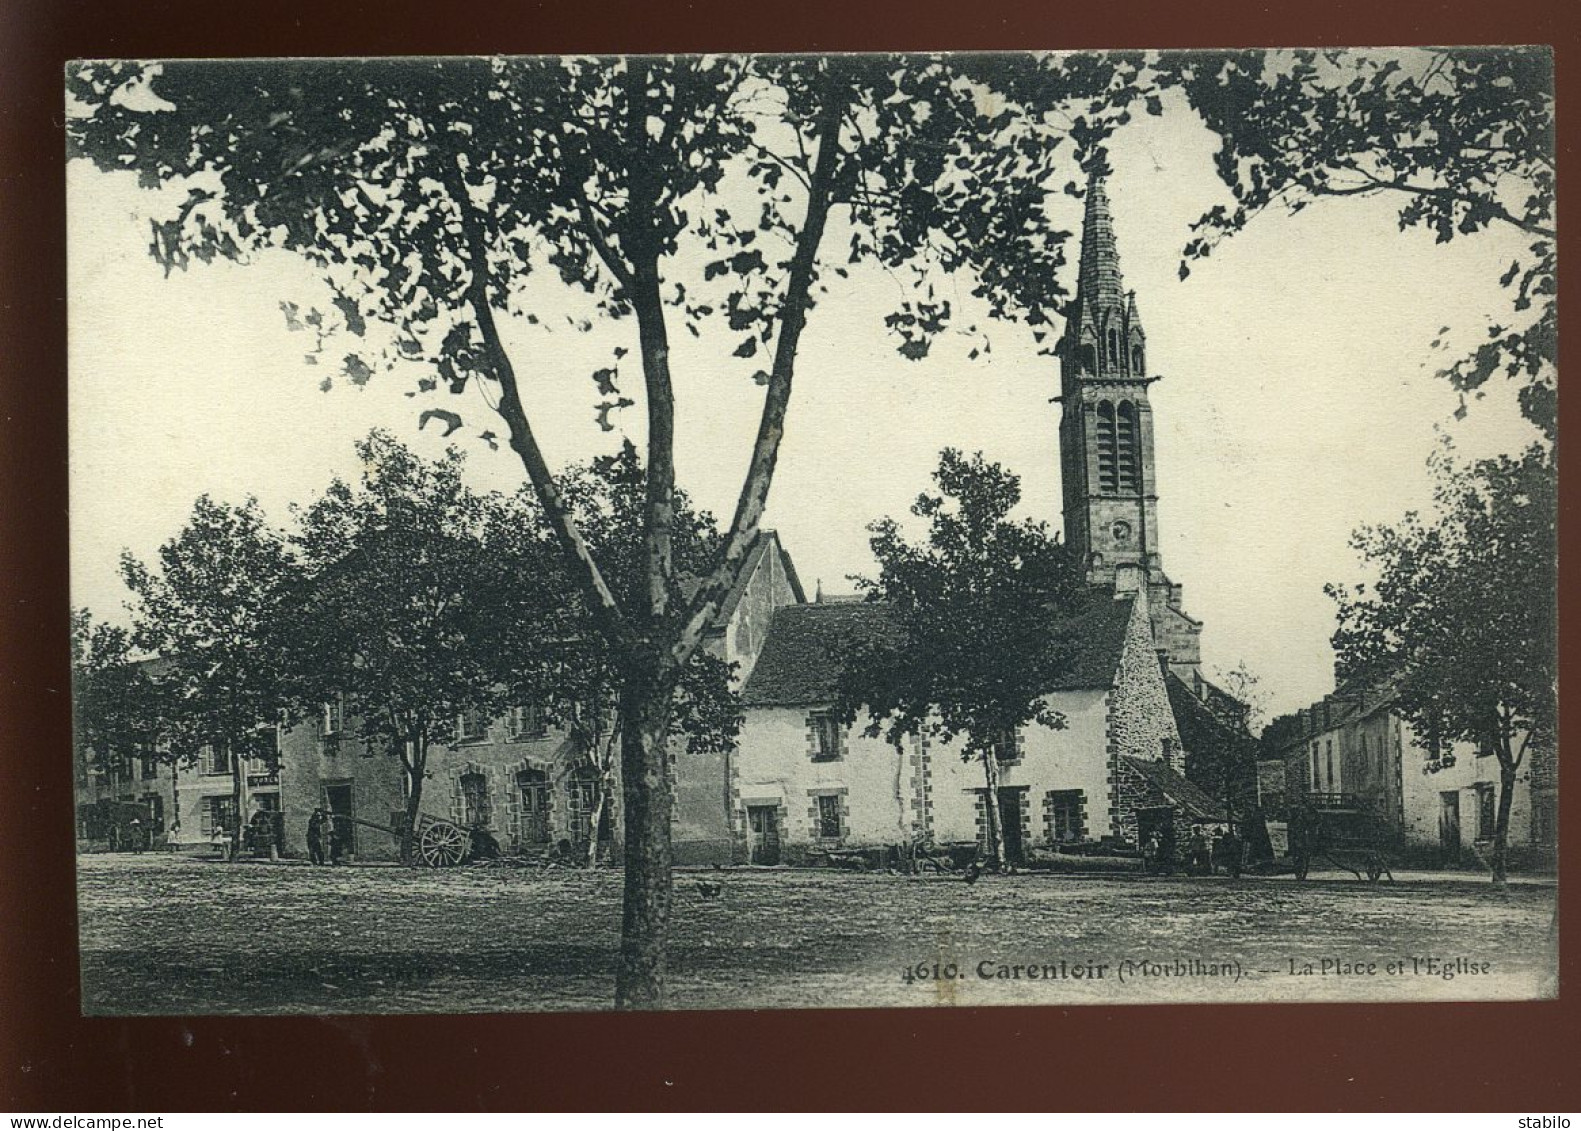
x: 690, y: 191
x: 546, y: 644
x: 396, y: 607
x: 974, y: 612
x: 1462, y: 617
x: 1463, y: 138
x: 210, y: 609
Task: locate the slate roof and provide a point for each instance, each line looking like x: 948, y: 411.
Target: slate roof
x: 1175, y: 789
x: 797, y: 664
x: 1212, y: 719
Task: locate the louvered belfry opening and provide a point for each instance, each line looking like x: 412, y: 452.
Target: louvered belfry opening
x: 1128, y: 473
x: 1108, y: 467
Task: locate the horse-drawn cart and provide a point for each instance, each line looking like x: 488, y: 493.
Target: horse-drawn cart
x: 1342, y: 830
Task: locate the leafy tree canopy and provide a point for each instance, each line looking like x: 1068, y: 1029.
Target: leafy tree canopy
x: 1463, y: 138
x: 975, y: 609
x: 1462, y: 617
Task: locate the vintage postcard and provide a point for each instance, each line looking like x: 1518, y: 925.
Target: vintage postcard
x: 734, y: 532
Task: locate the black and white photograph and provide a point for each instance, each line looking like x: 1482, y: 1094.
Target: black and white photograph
x: 756, y: 531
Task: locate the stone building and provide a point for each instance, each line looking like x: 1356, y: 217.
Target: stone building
x: 1439, y: 800
x: 803, y: 785
x: 530, y: 785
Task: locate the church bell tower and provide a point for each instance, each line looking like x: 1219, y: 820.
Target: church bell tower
x: 1108, y: 475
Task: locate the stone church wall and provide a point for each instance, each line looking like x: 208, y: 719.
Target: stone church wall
x: 1141, y: 721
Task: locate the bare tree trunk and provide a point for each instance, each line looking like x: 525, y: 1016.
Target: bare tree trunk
x: 414, y: 799
x: 996, y: 833
x: 238, y: 801
x: 1501, y: 826
x: 645, y: 784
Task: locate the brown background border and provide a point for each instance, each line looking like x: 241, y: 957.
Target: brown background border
x: 1425, y: 1057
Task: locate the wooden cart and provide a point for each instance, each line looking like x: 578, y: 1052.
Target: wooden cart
x: 1342, y: 830
x: 439, y: 843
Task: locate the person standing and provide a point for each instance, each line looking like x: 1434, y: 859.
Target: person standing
x: 1200, y: 861
x: 336, y: 835
x: 315, y: 837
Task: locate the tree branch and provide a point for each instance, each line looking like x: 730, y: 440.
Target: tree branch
x: 771, y: 427
x: 584, y: 569
x: 1377, y: 184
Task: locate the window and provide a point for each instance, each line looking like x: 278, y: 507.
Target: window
x: 1089, y: 357
x: 1108, y: 476
x: 1128, y: 474
x: 1137, y: 368
x: 1006, y: 746
x: 475, y: 807
x: 525, y: 722
x: 828, y: 736
x: 471, y: 726
x: 1487, y: 814
x: 156, y: 812
x: 150, y: 763
x: 1329, y: 757
x: 334, y: 716
x: 1113, y: 355
x: 1066, y: 815
x: 1167, y: 747
x: 829, y: 816
x: 582, y: 795
x: 1317, y: 781
x: 532, y: 786
x: 218, y: 815
x: 215, y: 759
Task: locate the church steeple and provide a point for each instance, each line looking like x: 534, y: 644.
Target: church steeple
x: 1100, y: 281
x: 1103, y: 334
x: 1106, y: 435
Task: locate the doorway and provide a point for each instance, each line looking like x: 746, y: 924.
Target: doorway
x: 1449, y: 824
x: 1157, y: 825
x: 764, y: 823
x: 337, y: 799
x: 1011, y: 800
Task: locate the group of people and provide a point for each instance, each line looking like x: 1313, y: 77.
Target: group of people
x: 1205, y: 853
x: 133, y: 836
x: 326, y: 840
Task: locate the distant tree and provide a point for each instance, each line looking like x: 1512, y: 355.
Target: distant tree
x: 1462, y: 137
x: 112, y: 695
x: 1245, y: 687
x: 1462, y: 616
x: 395, y: 605
x: 210, y: 610
x: 974, y: 608
x: 427, y: 191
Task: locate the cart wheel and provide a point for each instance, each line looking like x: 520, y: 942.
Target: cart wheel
x: 1374, y: 870
x: 442, y: 845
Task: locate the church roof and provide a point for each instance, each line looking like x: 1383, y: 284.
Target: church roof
x: 799, y: 662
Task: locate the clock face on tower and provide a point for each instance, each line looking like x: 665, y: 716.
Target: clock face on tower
x: 1121, y: 531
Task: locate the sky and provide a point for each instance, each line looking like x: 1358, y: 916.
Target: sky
x: 1298, y: 397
